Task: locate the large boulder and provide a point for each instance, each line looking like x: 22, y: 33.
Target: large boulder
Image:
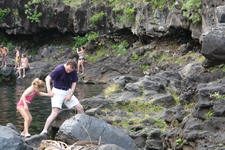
x: 86, y: 128
x: 10, y: 140
x: 213, y: 46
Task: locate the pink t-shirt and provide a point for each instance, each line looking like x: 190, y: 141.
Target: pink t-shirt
x: 28, y: 98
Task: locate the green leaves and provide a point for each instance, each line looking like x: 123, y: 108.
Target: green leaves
x: 31, y: 10
x: 3, y: 12
x: 192, y: 10
x: 96, y: 18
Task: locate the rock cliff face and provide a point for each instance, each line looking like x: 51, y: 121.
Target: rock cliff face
x: 145, y: 21
x: 199, y: 91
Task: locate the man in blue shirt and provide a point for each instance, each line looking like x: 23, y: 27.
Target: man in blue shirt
x: 64, y: 78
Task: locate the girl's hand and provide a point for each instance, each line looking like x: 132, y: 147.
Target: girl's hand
x: 50, y: 94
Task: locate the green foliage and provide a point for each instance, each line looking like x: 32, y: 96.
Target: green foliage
x: 176, y: 97
x: 121, y: 49
x: 192, y: 9
x: 220, y: 67
x: 31, y: 10
x: 143, y: 107
x: 73, y: 3
x: 135, y: 57
x: 217, y: 95
x: 129, y: 14
x: 79, y: 41
x: 209, y: 114
x: 98, y: 53
x: 160, y: 4
x: 189, y: 106
x: 96, y: 18
x: 82, y: 40
x: 145, y: 67
x: 112, y: 88
x: 159, y: 123
x: 9, y: 46
x: 92, y: 35
x: 179, y: 142
x: 3, y: 12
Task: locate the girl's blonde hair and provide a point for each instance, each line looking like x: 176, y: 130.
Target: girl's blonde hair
x: 37, y: 83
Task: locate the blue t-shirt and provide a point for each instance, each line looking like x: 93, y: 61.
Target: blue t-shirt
x: 62, y: 79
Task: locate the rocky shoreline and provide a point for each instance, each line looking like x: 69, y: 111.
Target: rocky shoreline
x: 170, y: 83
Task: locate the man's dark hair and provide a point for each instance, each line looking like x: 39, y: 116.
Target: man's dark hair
x: 72, y: 63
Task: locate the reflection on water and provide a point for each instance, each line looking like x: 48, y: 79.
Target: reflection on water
x: 40, y: 107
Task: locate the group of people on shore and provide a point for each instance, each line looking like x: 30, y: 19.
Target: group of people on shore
x: 21, y: 63
x: 64, y: 78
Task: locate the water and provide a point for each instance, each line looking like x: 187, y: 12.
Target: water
x: 40, y: 108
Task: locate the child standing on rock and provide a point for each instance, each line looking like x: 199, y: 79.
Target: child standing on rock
x: 22, y: 106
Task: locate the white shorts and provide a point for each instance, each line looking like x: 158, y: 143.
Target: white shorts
x: 59, y: 98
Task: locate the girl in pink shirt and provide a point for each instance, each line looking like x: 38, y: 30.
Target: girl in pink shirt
x: 22, y: 106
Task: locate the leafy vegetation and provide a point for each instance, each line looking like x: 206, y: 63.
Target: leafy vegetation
x: 97, y: 18
x: 3, y: 13
x: 192, y: 9
x: 32, y: 10
x: 145, y: 67
x: 82, y: 40
x: 79, y: 41
x: 121, y: 49
x: 110, y: 89
x: 209, y: 114
x: 179, y: 142
x: 160, y: 4
x: 217, y: 95
x: 143, y: 107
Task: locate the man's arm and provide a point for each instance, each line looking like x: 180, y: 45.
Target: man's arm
x: 48, y: 83
x: 73, y: 86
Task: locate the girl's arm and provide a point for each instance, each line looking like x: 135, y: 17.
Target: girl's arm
x: 45, y: 94
x: 82, y: 49
x: 27, y: 92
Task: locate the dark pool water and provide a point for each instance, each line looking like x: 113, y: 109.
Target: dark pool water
x: 40, y: 107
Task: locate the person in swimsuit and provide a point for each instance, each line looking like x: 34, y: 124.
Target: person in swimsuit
x: 4, y: 53
x: 80, y: 59
x: 24, y: 65
x: 22, y: 106
x: 17, y: 58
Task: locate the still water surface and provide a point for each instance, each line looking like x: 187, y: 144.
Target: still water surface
x: 40, y: 107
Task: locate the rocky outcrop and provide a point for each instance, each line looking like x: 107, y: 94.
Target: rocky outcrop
x: 11, y: 140
x: 86, y: 128
x: 71, y: 135
x: 148, y: 22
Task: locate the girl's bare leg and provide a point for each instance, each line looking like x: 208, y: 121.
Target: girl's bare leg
x: 24, y: 70
x: 19, y: 70
x: 27, y: 119
x: 82, y: 65
x: 78, y: 66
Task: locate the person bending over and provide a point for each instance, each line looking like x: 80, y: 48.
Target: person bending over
x: 64, y: 78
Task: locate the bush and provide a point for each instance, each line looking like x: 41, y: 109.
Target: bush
x: 3, y: 12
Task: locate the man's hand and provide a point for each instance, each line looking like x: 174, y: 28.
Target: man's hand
x: 68, y: 97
